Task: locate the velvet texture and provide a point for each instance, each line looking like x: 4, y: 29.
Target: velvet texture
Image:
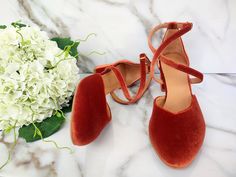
x: 178, y: 137
x: 90, y: 112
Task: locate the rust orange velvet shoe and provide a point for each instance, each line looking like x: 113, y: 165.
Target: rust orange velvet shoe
x: 177, y: 127
x: 90, y: 111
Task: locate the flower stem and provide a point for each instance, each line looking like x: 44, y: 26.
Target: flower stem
x: 87, y: 37
x: 11, y: 149
x: 39, y: 133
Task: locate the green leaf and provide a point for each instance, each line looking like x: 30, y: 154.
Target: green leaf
x: 64, y: 43
x: 47, y: 127
x: 18, y: 24
x: 68, y: 108
x: 3, y: 26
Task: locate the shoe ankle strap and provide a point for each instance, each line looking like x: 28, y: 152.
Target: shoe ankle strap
x: 144, y: 69
x: 144, y: 83
x: 182, y: 29
x: 198, y: 76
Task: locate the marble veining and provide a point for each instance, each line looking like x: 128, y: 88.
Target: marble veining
x: 122, y: 27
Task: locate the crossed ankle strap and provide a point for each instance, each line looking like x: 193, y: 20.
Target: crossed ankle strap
x: 146, y: 66
x: 144, y: 83
x: 182, y: 29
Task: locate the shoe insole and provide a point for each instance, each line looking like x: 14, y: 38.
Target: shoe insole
x: 178, y: 91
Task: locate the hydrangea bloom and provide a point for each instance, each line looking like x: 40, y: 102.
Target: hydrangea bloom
x: 36, y: 77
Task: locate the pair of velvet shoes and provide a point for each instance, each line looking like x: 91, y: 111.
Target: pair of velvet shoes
x: 176, y: 127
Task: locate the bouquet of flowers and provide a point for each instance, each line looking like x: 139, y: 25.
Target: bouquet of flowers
x: 38, y: 77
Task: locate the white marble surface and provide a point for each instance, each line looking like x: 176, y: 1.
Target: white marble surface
x: 122, y: 27
x: 123, y: 149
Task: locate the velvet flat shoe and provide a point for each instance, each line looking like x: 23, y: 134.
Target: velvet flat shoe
x: 90, y: 111
x: 177, y: 126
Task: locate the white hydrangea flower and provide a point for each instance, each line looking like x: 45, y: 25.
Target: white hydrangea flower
x: 36, y: 78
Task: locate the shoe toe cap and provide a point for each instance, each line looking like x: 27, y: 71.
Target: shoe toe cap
x: 177, y: 138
